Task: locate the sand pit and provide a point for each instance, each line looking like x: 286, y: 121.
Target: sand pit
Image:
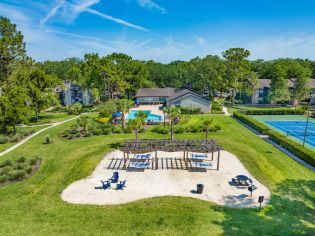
x: 166, y: 182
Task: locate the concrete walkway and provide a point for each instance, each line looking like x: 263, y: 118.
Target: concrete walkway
x: 285, y: 151
x: 35, y: 134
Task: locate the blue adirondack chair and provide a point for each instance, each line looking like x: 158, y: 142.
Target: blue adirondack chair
x: 106, y: 184
x: 121, y: 185
x: 114, y: 178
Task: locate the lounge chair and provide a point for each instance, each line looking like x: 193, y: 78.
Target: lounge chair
x: 201, y: 165
x: 142, y: 156
x: 121, y: 185
x: 198, y: 156
x: 114, y: 178
x: 139, y: 165
x: 106, y: 184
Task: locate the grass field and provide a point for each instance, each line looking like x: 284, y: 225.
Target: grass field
x: 34, y: 206
x: 50, y: 117
x: 5, y: 146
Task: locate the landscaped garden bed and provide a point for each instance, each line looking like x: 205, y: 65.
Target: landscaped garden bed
x: 17, y: 169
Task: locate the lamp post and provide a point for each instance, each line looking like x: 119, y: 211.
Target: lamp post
x: 307, y: 115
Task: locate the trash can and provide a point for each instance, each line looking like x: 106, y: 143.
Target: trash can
x: 200, y: 188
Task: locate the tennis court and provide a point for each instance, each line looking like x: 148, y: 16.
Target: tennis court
x: 296, y: 129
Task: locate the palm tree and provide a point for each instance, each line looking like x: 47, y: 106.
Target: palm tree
x: 136, y: 125
x: 164, y: 112
x: 206, y: 126
x: 142, y: 115
x: 123, y: 105
x: 173, y: 113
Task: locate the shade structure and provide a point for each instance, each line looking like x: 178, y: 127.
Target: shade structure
x: 117, y: 114
x: 150, y: 145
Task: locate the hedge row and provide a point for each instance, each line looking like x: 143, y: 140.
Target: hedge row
x: 289, y: 144
x: 273, y: 111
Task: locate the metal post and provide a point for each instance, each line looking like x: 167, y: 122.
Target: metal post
x: 218, y: 160
x: 307, y: 115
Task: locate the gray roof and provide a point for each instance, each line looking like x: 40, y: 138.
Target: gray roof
x: 266, y: 83
x: 183, y: 92
x: 155, y: 92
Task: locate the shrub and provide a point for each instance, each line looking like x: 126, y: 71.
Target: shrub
x: 217, y: 127
x: 17, y: 175
x: 33, y: 161
x: 190, y: 111
x: 179, y: 129
x: 75, y: 109
x: 196, y: 128
x: 216, y: 112
x: 87, y: 134
x: 21, y: 160
x: 3, y: 178
x: 116, y: 129
x: 216, y: 106
x: 289, y: 144
x: 6, y: 163
x: 161, y: 129
x: 273, y: 111
x: 128, y: 130
x: 3, y: 140
x: 106, y: 109
x: 142, y: 130
x: 103, y: 120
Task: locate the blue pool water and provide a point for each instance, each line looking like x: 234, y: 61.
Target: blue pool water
x: 296, y: 129
x: 151, y: 117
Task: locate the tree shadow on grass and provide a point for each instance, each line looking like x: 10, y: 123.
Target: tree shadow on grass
x: 291, y: 211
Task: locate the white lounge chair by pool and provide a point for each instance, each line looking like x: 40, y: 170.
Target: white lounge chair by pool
x: 139, y: 165
x: 142, y: 156
x: 199, y: 156
x: 200, y: 165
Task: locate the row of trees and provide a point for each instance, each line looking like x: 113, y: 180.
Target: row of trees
x: 24, y: 88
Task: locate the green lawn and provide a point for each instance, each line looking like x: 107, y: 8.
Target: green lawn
x: 34, y: 206
x: 50, y: 117
x: 10, y: 144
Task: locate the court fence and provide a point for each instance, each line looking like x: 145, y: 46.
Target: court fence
x: 282, y: 140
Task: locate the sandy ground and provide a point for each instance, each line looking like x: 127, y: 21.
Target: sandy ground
x: 166, y: 182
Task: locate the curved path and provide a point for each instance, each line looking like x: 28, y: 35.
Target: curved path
x: 35, y: 134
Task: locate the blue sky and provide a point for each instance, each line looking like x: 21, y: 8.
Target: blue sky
x: 164, y: 30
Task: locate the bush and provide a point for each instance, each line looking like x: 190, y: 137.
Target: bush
x: 289, y: 144
x: 103, y: 120
x: 21, y: 160
x: 179, y: 129
x: 3, y: 178
x: 196, y: 128
x: 216, y: 112
x: 190, y: 111
x: 6, y: 163
x: 116, y: 129
x: 273, y: 111
x: 75, y: 109
x: 161, y: 129
x: 216, y: 106
x: 17, y: 175
x: 3, y: 140
x: 128, y: 130
x: 106, y: 109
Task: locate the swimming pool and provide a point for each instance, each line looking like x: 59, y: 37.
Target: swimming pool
x: 151, y: 117
x: 296, y: 129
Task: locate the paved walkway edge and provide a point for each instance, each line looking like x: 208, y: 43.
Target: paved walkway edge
x: 35, y: 134
x: 285, y: 151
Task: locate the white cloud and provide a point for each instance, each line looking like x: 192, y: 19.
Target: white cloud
x: 52, y: 12
x: 14, y: 13
x: 200, y: 40
x: 149, y: 4
x: 69, y: 11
